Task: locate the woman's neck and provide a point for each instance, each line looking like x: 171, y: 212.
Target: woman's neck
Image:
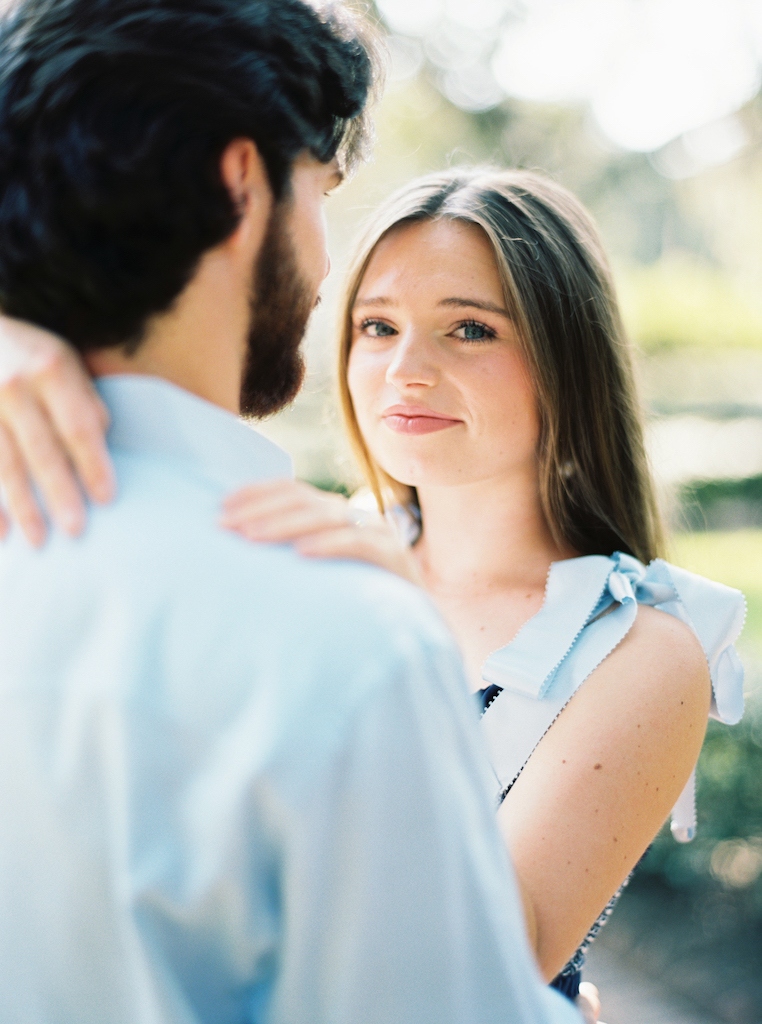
x: 484, y: 554
x: 485, y: 536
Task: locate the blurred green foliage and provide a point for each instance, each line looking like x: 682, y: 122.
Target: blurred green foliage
x: 680, y: 302
x: 727, y: 850
x: 705, y: 504
x: 733, y: 558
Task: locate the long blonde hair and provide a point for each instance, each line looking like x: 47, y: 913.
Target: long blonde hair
x: 595, y: 486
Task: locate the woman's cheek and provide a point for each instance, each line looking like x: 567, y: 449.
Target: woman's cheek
x: 363, y: 379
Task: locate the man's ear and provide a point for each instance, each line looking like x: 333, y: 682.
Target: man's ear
x: 244, y: 174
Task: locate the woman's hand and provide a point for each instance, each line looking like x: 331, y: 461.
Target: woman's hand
x: 318, y: 524
x: 588, y: 1002
x: 52, y: 433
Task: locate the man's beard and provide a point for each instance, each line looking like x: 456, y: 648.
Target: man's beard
x: 281, y: 304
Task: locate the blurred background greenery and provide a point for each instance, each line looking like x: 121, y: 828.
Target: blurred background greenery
x: 650, y: 110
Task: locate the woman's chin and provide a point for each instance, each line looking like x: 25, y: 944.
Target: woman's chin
x: 425, y: 476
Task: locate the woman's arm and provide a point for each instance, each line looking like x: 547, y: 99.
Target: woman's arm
x: 604, y: 778
x: 52, y: 432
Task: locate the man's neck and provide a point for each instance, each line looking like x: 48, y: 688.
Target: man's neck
x: 200, y: 342
x: 191, y: 374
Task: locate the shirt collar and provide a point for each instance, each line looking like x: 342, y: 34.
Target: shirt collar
x: 150, y: 416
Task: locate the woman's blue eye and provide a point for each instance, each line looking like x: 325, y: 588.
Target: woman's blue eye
x: 377, y: 328
x: 474, y: 331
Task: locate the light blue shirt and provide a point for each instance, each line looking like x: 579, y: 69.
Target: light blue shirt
x: 237, y: 785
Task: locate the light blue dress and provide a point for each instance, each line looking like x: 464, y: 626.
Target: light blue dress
x: 590, y: 605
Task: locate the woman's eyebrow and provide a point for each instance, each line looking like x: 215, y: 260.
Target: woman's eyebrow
x: 488, y: 307
x: 373, y: 300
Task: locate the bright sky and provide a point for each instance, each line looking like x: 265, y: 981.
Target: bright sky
x: 650, y: 70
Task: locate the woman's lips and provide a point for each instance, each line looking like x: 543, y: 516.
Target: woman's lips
x: 412, y: 420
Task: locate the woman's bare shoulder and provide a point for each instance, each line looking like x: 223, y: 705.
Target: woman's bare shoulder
x: 668, y: 648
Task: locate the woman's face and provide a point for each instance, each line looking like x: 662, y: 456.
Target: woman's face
x: 436, y: 372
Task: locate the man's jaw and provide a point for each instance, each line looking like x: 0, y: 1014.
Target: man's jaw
x: 281, y: 305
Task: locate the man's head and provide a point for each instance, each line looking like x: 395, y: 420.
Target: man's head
x: 114, y: 118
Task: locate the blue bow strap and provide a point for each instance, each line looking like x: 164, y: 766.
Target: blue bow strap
x: 527, y: 664
x: 716, y: 615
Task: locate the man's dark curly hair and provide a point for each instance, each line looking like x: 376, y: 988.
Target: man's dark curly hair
x: 113, y: 118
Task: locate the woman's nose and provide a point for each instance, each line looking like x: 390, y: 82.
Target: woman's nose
x: 413, y: 362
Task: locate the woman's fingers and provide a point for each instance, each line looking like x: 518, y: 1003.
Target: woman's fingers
x: 53, y: 424
x: 80, y: 419
x: 376, y: 545
x: 286, y: 524
x: 283, y: 510
x: 18, y: 493
x: 588, y: 1002
x: 271, y: 494
x: 253, y: 492
x: 35, y: 451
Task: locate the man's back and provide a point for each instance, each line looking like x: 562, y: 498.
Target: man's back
x: 238, y: 785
